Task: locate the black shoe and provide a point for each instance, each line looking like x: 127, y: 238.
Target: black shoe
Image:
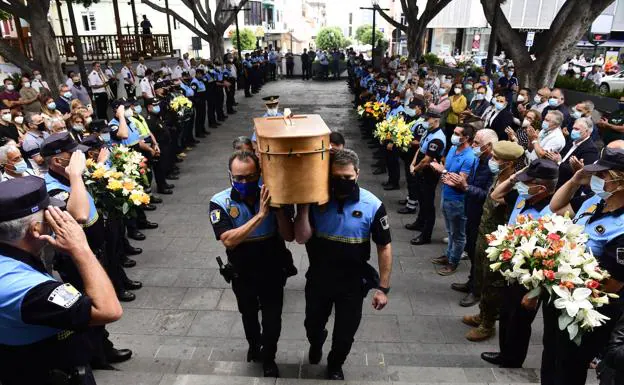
x: 402, y: 201
x: 316, y: 350
x: 115, y: 356
x: 378, y: 156
x: 172, y: 177
x: 165, y: 191
x: 374, y: 145
x: 378, y: 164
x: 335, y: 373
x: 126, y: 296
x: 379, y: 171
x: 419, y: 240
x: 414, y: 226
x: 147, y: 225
x: 291, y: 271
x: 460, y: 287
x: 128, y: 263
x: 406, y: 210
x: 373, y: 141
x: 253, y: 354
x: 492, y: 357
x: 136, y: 235
x: 469, y: 300
x: 156, y: 200
x: 169, y: 186
x: 201, y: 135
x: 132, y: 285
x: 270, y: 369
x: 149, y: 207
x: 231, y: 112
x: 129, y: 250
x: 391, y: 187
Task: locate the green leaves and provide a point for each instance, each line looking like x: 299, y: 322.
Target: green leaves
x: 330, y: 38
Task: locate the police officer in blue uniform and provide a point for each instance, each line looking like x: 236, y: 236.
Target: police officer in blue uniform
x: 220, y: 90
x: 432, y: 146
x: 210, y: 78
x: 337, y: 237
x: 563, y: 361
x: 248, y: 74
x: 186, y: 90
x: 528, y: 192
x: 198, y: 86
x: 417, y: 107
x: 253, y: 235
x: 391, y: 151
x: 44, y: 321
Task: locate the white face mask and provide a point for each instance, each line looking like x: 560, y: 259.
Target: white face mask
x: 6, y: 117
x: 27, y: 85
x: 19, y: 119
x: 458, y: 91
x: 520, y: 98
x: 10, y: 87
x: 272, y: 111
x: 537, y: 99
x: 526, y: 123
x: 38, y: 76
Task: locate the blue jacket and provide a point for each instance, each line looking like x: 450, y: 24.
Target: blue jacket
x: 479, y: 183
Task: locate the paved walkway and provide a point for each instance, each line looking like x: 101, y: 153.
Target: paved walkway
x: 187, y: 313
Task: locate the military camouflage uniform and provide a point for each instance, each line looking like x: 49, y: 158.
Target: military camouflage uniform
x: 489, y: 284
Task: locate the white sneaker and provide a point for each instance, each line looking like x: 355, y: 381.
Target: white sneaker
x: 445, y: 240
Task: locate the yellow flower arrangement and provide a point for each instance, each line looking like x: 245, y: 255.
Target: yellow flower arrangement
x: 396, y: 130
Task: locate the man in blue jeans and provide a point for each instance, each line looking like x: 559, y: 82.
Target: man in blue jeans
x: 459, y: 162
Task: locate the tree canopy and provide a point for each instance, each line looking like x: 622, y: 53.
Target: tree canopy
x: 364, y: 34
x: 247, y: 39
x: 330, y: 38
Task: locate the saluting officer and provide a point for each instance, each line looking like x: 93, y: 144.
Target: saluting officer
x: 530, y: 192
x: 44, y: 321
x: 432, y: 146
x: 337, y: 237
x: 563, y: 361
x: 254, y: 236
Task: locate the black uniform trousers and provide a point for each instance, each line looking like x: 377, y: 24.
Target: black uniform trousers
x: 347, y: 297
x: 426, y: 201
x: 273, y: 70
x: 412, y: 181
x: 115, y: 237
x: 472, y: 232
x: 305, y: 71
x: 219, y: 98
x: 211, y: 101
x: 394, y: 166
x: 101, y: 104
x: 247, y: 81
x: 263, y: 292
x: 230, y: 96
x: 199, y: 102
x: 564, y: 362
x: 515, y: 327
x: 289, y: 69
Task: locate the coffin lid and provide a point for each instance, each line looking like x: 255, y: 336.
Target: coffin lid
x: 302, y: 126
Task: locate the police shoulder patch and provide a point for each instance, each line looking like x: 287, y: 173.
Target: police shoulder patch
x: 63, y: 195
x: 520, y: 204
x: 215, y: 216
x: 433, y: 147
x: 234, y: 212
x: 357, y: 214
x: 600, y: 229
x: 591, y: 209
x: 64, y: 296
x: 384, y: 222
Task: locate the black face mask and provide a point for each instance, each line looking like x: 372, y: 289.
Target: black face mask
x: 342, y: 188
x: 41, y: 126
x: 77, y: 84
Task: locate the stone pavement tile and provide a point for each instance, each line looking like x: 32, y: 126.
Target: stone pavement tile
x: 141, y: 345
x: 173, y: 322
x: 134, y: 321
x: 352, y: 373
x: 198, y: 277
x: 434, y: 360
x: 154, y: 276
x: 479, y: 374
x: 434, y: 303
x: 290, y: 357
x: 504, y: 375
x: 432, y: 375
x: 425, y: 329
x: 398, y: 303
x: 109, y: 377
x: 237, y: 355
x: 195, y: 379
x: 379, y: 328
x: 179, y: 352
x: 192, y: 260
x: 213, y: 323
x: 227, y: 301
x: 178, y: 245
x: 294, y: 301
x: 156, y: 243
x: 151, y: 258
x: 157, y: 298
x: 201, y: 299
x: 414, y: 265
x: 210, y: 246
x: 149, y: 365
x: 302, y: 381
x: 231, y: 368
x: 453, y: 329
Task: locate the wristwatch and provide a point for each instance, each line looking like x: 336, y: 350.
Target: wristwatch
x: 384, y: 290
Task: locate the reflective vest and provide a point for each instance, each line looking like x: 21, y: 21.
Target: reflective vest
x: 54, y: 184
x: 141, y: 125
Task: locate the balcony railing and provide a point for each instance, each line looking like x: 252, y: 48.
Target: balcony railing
x: 104, y: 47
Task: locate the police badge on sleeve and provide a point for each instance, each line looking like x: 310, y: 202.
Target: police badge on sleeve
x: 619, y: 255
x: 65, y: 296
x: 215, y: 216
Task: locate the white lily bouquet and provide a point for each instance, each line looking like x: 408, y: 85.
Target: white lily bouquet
x: 551, y: 254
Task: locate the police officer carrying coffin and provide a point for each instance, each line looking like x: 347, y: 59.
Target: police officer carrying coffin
x: 528, y: 192
x: 432, y: 145
x: 254, y: 236
x: 64, y: 183
x: 337, y: 237
x: 563, y: 361
x: 44, y: 321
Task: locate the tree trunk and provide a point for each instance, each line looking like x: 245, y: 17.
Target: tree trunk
x: 539, y: 73
x: 15, y: 56
x: 45, y: 51
x: 415, y: 38
x: 217, y: 49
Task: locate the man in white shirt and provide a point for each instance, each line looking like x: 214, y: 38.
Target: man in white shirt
x: 186, y: 61
x: 177, y: 70
x: 99, y: 85
x: 147, y: 86
x: 128, y: 78
x: 595, y: 75
x: 549, y: 139
x: 540, y: 101
x: 165, y: 70
x: 141, y: 68
x: 111, y: 78
x: 37, y: 83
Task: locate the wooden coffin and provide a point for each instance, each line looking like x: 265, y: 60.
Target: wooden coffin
x: 294, y: 156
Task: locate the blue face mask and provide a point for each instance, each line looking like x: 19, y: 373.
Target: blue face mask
x: 156, y: 110
x: 105, y: 137
x: 20, y: 167
x: 246, y: 189
x: 597, y: 185
x: 545, y: 125
x: 523, y: 190
x: 553, y: 102
x: 576, y: 114
x: 494, y: 166
x: 442, y: 91
x: 499, y: 106
x: 138, y: 109
x: 52, y: 106
x: 455, y: 140
x: 425, y: 125
x: 575, y: 135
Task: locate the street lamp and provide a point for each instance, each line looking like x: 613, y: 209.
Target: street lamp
x: 374, y: 8
x: 238, y: 43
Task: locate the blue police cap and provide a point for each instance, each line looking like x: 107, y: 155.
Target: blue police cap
x: 21, y: 197
x: 540, y: 169
x: 60, y: 142
x: 610, y: 159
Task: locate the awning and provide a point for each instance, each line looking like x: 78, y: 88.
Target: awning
x: 608, y: 43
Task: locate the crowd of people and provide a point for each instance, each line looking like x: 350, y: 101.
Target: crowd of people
x: 499, y: 150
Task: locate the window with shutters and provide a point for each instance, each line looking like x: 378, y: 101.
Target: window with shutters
x: 88, y: 21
